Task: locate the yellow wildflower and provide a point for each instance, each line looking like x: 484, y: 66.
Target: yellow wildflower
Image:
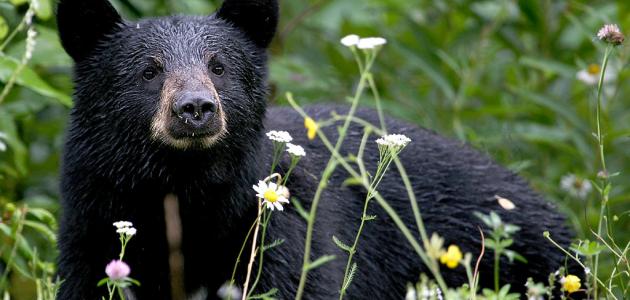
x: 571, y: 283
x: 452, y: 257
x: 312, y: 127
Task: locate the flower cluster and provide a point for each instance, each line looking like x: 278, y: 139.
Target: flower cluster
x: 125, y: 228
x: 394, y: 141
x: 611, y: 34
x: 354, y: 40
x: 296, y: 150
x: 279, y: 136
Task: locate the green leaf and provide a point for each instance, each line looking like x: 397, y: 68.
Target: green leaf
x: 352, y: 181
x: 275, y: 243
x: 43, y: 229
x: 348, y: 280
x: 320, y: 262
x: 369, y: 218
x: 341, y: 244
x: 102, y: 281
x: 31, y: 80
x: 300, y: 209
x: 4, y: 28
x: 43, y: 10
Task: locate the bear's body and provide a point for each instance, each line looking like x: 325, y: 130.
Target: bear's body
x: 125, y: 151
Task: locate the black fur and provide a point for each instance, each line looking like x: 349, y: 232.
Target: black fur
x: 113, y: 170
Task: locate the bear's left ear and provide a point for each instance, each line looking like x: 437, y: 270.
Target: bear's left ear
x: 257, y: 18
x: 83, y: 23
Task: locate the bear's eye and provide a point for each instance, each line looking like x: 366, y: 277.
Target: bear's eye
x: 217, y: 70
x: 150, y: 73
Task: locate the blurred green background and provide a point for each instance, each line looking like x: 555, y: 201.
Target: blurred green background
x: 501, y: 75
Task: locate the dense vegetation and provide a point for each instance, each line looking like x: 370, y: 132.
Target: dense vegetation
x: 501, y: 75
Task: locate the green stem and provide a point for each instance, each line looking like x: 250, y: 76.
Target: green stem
x: 600, y: 142
x: 240, y: 253
x: 266, y: 217
x: 497, y: 256
x: 330, y: 167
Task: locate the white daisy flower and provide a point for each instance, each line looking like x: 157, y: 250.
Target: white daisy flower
x: 279, y: 136
x: 123, y: 224
x: 575, y: 186
x: 394, y: 140
x: 610, y: 33
x: 273, y: 195
x: 590, y: 75
x: 371, y: 42
x: 350, y: 40
x: 296, y: 150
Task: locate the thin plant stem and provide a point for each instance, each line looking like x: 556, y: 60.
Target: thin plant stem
x: 253, y: 252
x: 18, y: 236
x: 240, y: 253
x: 330, y: 167
x: 261, y: 250
x: 600, y: 141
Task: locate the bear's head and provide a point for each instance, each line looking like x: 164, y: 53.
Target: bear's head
x: 184, y: 82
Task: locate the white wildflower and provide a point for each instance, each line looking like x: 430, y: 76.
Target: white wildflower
x: 30, y: 43
x: 279, y: 136
x: 575, y: 186
x: 610, y: 33
x: 350, y: 40
x: 590, y: 75
x: 128, y: 231
x: 296, y: 150
x: 123, y: 224
x: 273, y: 195
x: 229, y: 291
x: 394, y: 141
x: 411, y: 293
x: 371, y: 42
x: 3, y: 146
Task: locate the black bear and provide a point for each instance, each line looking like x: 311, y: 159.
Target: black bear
x: 177, y: 105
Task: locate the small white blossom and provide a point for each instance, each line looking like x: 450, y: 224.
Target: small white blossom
x: 128, y: 231
x: 31, y: 34
x: 350, y: 40
x: 411, y: 293
x: 575, y: 186
x: 610, y: 33
x: 3, y: 146
x: 590, y: 75
x: 394, y: 141
x: 123, y: 224
x: 371, y: 42
x: 587, y: 271
x: 273, y: 196
x: 296, y: 150
x: 279, y: 136
x: 229, y: 291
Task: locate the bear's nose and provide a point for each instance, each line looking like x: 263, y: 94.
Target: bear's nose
x: 197, y: 107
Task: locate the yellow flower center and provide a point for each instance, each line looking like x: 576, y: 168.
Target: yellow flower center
x: 571, y: 283
x: 452, y: 257
x: 593, y: 69
x: 271, y: 195
x: 311, y: 127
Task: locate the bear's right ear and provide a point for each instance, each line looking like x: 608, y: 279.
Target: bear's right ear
x: 83, y: 23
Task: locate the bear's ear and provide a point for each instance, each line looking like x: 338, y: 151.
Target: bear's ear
x: 83, y: 23
x: 257, y: 18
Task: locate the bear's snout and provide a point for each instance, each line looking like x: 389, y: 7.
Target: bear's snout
x: 195, y: 109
